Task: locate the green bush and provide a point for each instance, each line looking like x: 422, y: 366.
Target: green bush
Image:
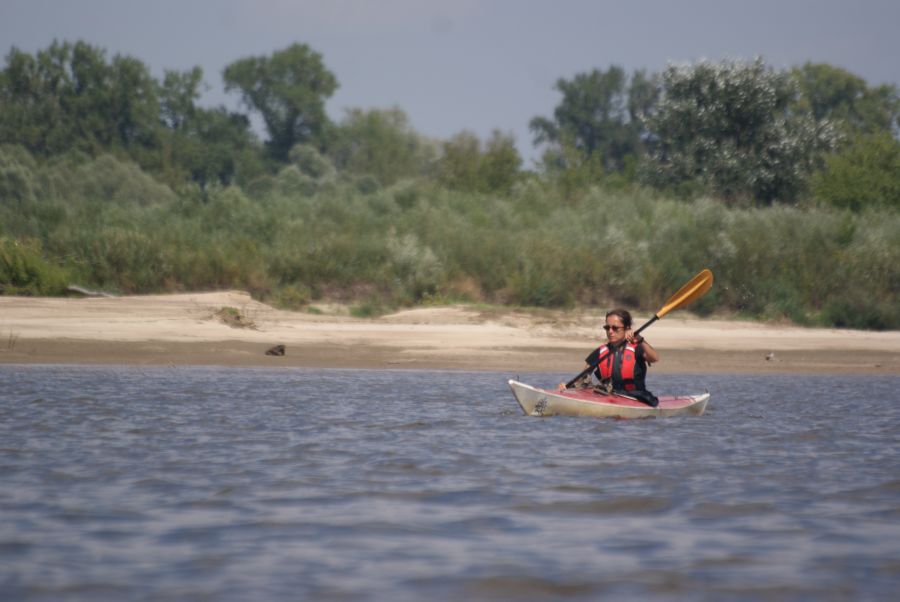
x: 293, y: 296
x: 416, y: 242
x: 111, y: 180
x: 24, y: 270
x: 379, y: 144
x: 17, y: 176
x: 857, y: 310
x: 864, y: 175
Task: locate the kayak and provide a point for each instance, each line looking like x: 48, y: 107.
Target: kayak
x: 588, y: 402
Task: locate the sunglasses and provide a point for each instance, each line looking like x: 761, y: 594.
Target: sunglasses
x: 607, y: 328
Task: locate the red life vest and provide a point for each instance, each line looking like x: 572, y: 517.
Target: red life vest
x: 624, y: 379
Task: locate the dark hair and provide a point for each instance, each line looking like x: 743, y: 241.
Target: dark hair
x: 622, y: 314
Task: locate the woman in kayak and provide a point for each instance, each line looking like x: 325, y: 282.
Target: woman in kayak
x: 621, y: 364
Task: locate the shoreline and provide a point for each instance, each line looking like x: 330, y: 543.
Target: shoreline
x: 184, y: 330
x: 230, y: 353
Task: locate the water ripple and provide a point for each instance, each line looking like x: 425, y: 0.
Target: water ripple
x: 206, y: 483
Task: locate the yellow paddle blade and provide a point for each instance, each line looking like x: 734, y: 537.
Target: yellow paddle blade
x: 688, y: 293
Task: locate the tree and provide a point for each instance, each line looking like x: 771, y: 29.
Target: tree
x: 31, y: 113
x: 378, y: 143
x: 205, y: 145
x: 832, y: 93
x: 70, y: 97
x: 217, y: 146
x: 599, y: 116
x: 467, y: 165
x: 643, y: 96
x: 178, y: 93
x: 288, y: 89
x: 500, y: 163
x: 729, y: 128
x: 864, y: 174
x: 459, y: 162
x: 132, y: 103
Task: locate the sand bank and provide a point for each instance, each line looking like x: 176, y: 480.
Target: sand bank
x: 183, y: 329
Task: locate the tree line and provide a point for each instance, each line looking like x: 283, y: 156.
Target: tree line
x: 740, y: 131
x: 785, y: 182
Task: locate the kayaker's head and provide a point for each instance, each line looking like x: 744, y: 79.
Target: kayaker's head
x: 618, y: 322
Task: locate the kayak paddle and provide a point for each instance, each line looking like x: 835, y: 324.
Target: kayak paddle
x: 687, y: 294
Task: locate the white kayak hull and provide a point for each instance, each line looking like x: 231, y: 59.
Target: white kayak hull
x: 587, y: 402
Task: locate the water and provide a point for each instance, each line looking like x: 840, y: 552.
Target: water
x: 250, y: 484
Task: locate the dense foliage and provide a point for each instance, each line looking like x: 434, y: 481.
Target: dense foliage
x: 289, y: 90
x: 601, y: 115
x: 873, y: 160
x: 727, y: 128
x: 785, y: 184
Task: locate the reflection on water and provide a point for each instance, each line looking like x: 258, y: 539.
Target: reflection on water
x: 237, y: 484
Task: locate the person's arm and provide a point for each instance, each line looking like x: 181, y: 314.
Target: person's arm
x: 590, y: 360
x: 650, y: 354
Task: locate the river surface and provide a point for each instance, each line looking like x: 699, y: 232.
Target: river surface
x: 186, y: 483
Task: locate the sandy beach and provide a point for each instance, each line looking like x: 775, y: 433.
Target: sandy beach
x: 184, y: 329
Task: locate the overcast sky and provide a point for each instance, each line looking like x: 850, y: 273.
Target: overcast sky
x: 475, y: 65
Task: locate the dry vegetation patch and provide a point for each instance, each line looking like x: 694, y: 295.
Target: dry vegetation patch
x: 234, y: 317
